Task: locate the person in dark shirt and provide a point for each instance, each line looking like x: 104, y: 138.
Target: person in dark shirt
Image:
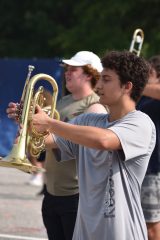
x: 150, y: 197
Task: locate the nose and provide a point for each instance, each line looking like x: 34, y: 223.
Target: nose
x: 67, y: 72
x: 99, y: 84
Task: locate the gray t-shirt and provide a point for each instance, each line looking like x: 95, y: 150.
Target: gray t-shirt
x: 110, y: 181
x: 61, y: 177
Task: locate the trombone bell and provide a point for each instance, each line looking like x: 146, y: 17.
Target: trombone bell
x: 137, y: 41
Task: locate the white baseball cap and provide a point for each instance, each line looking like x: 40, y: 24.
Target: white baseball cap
x: 83, y: 58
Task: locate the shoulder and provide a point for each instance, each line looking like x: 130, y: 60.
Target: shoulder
x: 136, y: 132
x: 138, y: 124
x: 64, y: 98
x: 97, y: 108
x: 94, y: 105
x: 138, y: 118
x: 135, y: 121
x: 92, y: 98
x: 145, y: 121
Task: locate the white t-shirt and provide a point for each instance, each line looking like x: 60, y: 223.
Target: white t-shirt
x: 110, y: 181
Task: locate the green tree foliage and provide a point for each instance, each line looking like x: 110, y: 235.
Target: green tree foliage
x: 38, y: 28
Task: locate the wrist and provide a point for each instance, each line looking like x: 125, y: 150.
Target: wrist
x: 50, y: 123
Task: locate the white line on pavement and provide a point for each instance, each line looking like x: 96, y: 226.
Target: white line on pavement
x: 20, y: 237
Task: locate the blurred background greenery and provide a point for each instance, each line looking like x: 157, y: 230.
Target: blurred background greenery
x: 50, y: 28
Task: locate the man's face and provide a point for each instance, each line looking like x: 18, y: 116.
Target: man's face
x: 75, y: 78
x: 109, y: 88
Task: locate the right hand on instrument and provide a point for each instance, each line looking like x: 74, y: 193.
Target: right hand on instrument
x: 40, y: 120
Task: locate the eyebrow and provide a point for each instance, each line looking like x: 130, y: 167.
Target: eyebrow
x: 105, y: 75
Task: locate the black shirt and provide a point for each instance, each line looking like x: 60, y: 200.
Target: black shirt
x: 151, y: 107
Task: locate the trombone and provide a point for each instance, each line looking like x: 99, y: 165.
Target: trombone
x: 31, y: 141
x: 137, y: 41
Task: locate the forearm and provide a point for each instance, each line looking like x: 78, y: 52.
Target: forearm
x: 88, y: 136
x: 152, y: 90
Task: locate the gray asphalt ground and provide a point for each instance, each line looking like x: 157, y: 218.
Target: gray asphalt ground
x: 20, y: 207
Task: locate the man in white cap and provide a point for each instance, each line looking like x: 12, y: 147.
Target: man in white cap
x: 60, y: 203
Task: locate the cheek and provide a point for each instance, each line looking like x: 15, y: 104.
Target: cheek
x: 74, y: 76
x: 109, y: 89
x: 112, y: 93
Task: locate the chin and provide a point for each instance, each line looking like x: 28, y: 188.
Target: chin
x: 68, y: 88
x: 102, y: 101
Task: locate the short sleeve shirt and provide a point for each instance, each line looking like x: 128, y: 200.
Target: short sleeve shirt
x: 110, y: 181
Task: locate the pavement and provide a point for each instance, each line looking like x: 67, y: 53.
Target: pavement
x: 20, y: 207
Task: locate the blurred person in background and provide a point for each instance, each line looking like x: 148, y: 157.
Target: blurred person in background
x: 150, y: 104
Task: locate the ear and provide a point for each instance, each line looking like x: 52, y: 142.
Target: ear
x: 88, y: 77
x: 128, y: 86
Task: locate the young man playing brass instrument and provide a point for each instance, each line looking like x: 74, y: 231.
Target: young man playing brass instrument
x: 112, y: 152
x: 60, y: 202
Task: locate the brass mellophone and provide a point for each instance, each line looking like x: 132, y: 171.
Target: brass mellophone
x: 30, y: 142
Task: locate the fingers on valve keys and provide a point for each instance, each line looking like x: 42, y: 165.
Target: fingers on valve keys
x: 14, y: 111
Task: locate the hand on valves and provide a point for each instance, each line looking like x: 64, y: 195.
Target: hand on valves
x: 39, y: 119
x: 14, y: 111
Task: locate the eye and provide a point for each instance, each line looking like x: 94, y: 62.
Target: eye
x: 106, y: 80
x: 65, y: 69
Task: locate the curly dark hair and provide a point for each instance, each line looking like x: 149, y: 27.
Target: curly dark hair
x: 130, y: 68
x: 155, y: 64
